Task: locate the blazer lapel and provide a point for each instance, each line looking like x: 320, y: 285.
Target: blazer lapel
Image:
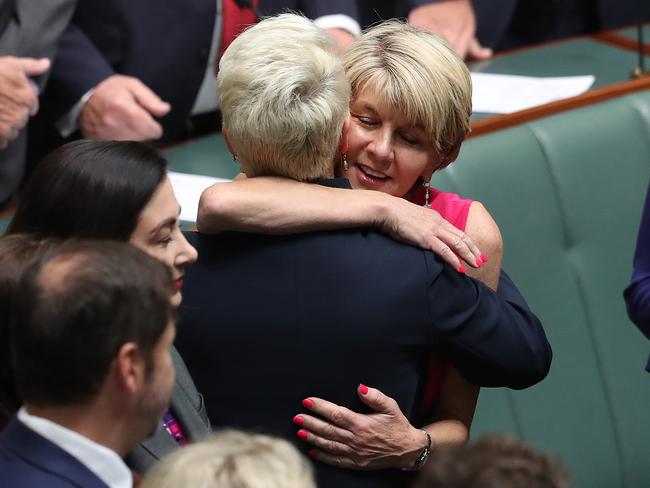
x: 187, y: 406
x: 187, y: 402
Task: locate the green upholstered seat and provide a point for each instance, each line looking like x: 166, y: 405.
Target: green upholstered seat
x: 567, y: 192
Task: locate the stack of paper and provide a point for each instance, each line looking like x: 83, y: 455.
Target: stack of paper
x: 504, y: 94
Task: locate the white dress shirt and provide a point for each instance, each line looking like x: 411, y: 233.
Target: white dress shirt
x: 102, y: 461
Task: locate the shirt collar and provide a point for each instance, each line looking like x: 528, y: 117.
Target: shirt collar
x: 102, y: 461
x: 334, y: 182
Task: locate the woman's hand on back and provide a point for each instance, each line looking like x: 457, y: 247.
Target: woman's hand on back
x: 346, y: 439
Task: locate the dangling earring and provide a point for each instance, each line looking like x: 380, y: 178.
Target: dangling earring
x: 426, y: 185
x: 235, y: 159
x: 344, y: 162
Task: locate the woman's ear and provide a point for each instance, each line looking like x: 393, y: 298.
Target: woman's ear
x: 343, y: 142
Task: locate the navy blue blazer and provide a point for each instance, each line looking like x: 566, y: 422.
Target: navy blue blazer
x: 28, y: 460
x: 164, y: 44
x: 269, y: 320
x: 637, y: 293
x: 504, y: 24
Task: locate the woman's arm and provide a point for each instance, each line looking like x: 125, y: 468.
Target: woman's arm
x: 453, y: 414
x: 275, y: 205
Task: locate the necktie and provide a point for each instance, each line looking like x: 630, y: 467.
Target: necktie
x: 237, y: 15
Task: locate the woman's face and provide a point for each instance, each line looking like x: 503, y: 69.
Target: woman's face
x: 158, y: 234
x: 385, y: 152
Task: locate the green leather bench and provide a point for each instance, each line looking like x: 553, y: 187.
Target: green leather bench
x: 567, y: 192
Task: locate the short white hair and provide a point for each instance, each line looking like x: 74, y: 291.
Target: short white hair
x: 233, y: 459
x: 284, y: 98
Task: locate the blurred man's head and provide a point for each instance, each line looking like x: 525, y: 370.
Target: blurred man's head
x: 492, y: 462
x: 94, y: 322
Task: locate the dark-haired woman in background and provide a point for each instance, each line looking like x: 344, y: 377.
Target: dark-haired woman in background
x: 119, y: 190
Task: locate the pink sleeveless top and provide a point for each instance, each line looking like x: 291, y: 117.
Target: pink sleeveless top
x: 455, y: 210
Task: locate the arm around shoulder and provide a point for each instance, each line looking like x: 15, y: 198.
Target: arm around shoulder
x: 273, y: 205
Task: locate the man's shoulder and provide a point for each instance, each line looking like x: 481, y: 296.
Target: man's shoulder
x: 347, y: 250
x: 27, y: 459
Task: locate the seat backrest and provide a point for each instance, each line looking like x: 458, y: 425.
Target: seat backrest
x: 567, y: 192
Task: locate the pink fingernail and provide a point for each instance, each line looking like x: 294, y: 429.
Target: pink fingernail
x: 307, y: 403
x: 461, y: 268
x: 298, y: 420
x: 484, y: 258
x: 479, y: 262
x: 303, y: 434
x: 312, y: 453
x: 363, y: 389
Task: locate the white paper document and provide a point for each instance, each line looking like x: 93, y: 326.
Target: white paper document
x: 188, y: 189
x: 504, y: 94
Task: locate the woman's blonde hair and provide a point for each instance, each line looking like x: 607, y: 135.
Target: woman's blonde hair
x: 284, y: 98
x: 417, y: 73
x: 233, y: 459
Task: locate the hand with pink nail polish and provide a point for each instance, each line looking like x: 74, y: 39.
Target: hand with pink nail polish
x: 343, y: 438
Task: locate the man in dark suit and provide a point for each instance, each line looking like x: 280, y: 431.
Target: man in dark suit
x: 318, y: 313
x: 28, y: 30
x: 91, y: 341
x: 142, y: 70
x: 506, y: 24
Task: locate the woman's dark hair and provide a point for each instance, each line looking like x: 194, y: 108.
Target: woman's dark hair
x: 17, y: 253
x: 89, y: 189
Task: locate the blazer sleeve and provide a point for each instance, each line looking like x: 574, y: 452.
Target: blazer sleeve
x: 637, y: 294
x: 493, y: 339
x: 311, y: 8
x: 79, y: 67
x: 318, y: 8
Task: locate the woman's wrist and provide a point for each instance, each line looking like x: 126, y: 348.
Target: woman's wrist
x: 419, y: 442
x: 383, y: 210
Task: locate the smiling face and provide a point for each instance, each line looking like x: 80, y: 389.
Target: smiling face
x: 159, y: 235
x: 386, y: 152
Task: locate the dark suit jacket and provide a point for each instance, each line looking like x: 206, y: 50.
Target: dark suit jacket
x: 28, y: 460
x: 32, y: 31
x: 637, y: 293
x: 187, y: 405
x: 164, y: 44
x: 504, y: 24
x: 270, y: 320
